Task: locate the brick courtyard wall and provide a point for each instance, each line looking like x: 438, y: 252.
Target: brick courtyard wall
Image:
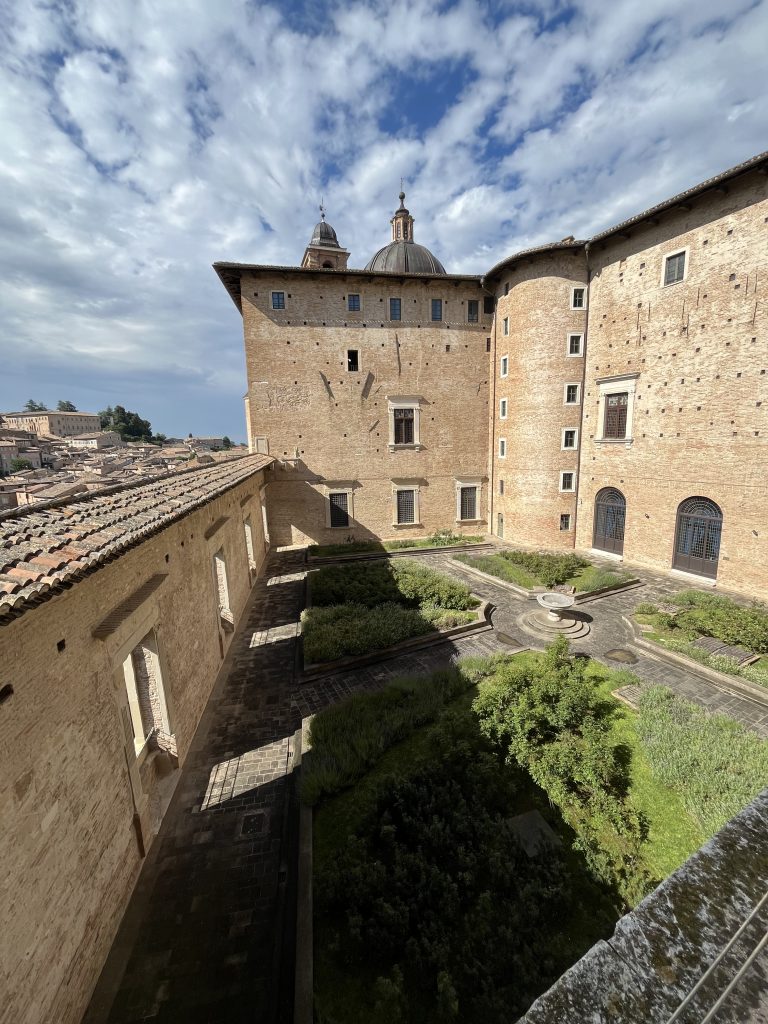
x: 700, y: 350
x: 68, y: 844
x: 537, y: 306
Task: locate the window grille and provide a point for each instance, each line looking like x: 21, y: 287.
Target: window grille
x: 353, y: 303
x: 278, y: 300
x: 403, y: 426
x: 674, y: 269
x: 339, y: 508
x: 406, y: 506
x: 616, y: 415
x: 468, y: 503
x: 353, y: 360
x: 394, y: 309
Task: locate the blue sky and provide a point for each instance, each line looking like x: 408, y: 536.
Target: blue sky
x: 142, y: 141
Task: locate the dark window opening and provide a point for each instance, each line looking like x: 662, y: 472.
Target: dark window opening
x: 487, y: 344
x: 567, y: 482
x: 572, y: 393
x: 394, y: 309
x: 406, y: 506
x: 339, y: 508
x: 473, y: 311
x: 404, y: 420
x: 278, y: 300
x: 488, y: 304
x: 353, y: 303
x: 616, y: 415
x: 578, y: 298
x: 501, y: 486
x: 468, y: 503
x: 565, y: 520
x: 674, y: 269
x: 574, y: 344
x: 437, y: 309
x: 353, y: 360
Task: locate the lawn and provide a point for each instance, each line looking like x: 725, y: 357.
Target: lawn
x: 529, y: 569
x: 362, y: 607
x: 441, y: 539
x: 711, y: 615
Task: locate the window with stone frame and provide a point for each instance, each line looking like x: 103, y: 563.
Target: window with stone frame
x: 353, y: 360
x: 248, y: 528
x: 567, y: 480
x: 570, y: 438
x: 404, y: 425
x: 468, y: 502
x: 574, y: 344
x: 565, y: 521
x: 146, y: 697
x: 615, y: 425
x: 473, y: 311
x: 406, y: 505
x: 571, y: 394
x: 222, y: 587
x: 578, y: 298
x: 674, y: 268
x: 437, y: 309
x: 339, y: 508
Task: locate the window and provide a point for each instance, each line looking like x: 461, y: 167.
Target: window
x: 487, y: 344
x: 278, y: 300
x: 403, y: 426
x: 506, y: 287
x: 571, y: 394
x: 339, y: 508
x: 146, y: 697
x: 501, y: 485
x: 488, y: 304
x: 505, y: 326
x: 674, y: 268
x: 575, y: 342
x: 473, y: 311
x: 570, y: 439
x: 406, y: 506
x: 248, y: 527
x: 353, y: 303
x: 503, y: 409
x: 394, y: 309
x: 565, y: 521
x: 504, y: 366
x: 615, y: 425
x: 353, y: 360
x: 567, y: 481
x: 578, y: 298
x: 220, y: 576
x: 468, y: 502
x: 437, y: 309
x: 502, y: 448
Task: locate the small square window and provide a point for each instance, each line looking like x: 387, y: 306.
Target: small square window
x: 570, y: 439
x: 406, y: 506
x: 353, y: 360
x: 353, y: 303
x: 278, y: 300
x: 501, y: 485
x: 571, y: 394
x: 567, y: 480
x: 674, y: 268
x: 574, y: 344
x: 437, y: 309
x: 503, y: 409
x: 578, y: 298
x: 394, y: 309
x: 502, y: 448
x: 504, y: 366
x: 565, y: 521
x: 505, y: 326
x: 473, y: 311
x: 339, y: 503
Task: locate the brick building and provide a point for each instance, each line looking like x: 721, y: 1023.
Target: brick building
x: 605, y: 394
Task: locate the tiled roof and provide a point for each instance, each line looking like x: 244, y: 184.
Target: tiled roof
x: 44, y: 550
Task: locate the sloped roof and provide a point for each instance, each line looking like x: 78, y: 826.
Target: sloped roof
x: 44, y: 550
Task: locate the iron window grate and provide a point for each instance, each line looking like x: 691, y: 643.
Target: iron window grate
x: 406, y: 506
x: 339, y: 508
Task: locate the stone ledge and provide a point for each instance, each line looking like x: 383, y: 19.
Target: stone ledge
x: 368, y: 556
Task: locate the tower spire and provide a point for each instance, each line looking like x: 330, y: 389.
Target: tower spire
x: 402, y: 222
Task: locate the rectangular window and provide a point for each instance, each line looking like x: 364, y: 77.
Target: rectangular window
x: 578, y: 296
x: 339, y: 502
x: 353, y: 360
x: 504, y: 366
x: 353, y: 303
x: 503, y: 409
x: 406, y: 506
x: 437, y: 309
x: 506, y: 287
x: 248, y: 527
x: 674, y: 268
x: 571, y: 394
x: 403, y: 426
x: 473, y: 311
x: 220, y: 574
x: 565, y: 521
x: 570, y: 438
x: 278, y: 300
x: 505, y: 326
x: 468, y: 503
x: 488, y: 304
x: 487, y: 344
x: 502, y: 447
x: 394, y: 309
x: 616, y: 415
x: 501, y: 485
x: 574, y: 344
x: 567, y: 481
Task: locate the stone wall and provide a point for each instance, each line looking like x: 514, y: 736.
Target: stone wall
x: 70, y: 796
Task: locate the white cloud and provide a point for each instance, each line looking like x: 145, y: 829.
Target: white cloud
x: 139, y: 142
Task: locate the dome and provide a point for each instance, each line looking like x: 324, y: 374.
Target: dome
x: 324, y: 235
x: 405, y: 257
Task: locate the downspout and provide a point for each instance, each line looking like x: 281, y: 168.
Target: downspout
x: 492, y: 418
x: 583, y: 397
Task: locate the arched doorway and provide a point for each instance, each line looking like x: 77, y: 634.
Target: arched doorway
x: 610, y: 513
x: 697, y: 536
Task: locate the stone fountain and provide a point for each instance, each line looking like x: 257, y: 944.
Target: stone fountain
x: 553, y: 617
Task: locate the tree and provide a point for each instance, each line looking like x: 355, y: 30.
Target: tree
x: 65, y: 407
x: 33, y: 406
x: 129, y: 425
x: 19, y: 464
x: 226, y: 442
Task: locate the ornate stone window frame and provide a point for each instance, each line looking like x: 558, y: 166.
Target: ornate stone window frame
x: 406, y: 485
x: 475, y: 482
x: 616, y: 386
x: 339, y: 487
x: 413, y: 402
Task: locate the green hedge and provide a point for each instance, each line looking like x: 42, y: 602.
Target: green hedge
x: 403, y: 581
x: 714, y: 615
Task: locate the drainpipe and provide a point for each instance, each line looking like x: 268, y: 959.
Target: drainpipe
x: 492, y: 416
x: 583, y: 396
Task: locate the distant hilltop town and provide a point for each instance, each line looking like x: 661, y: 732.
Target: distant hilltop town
x: 52, y: 454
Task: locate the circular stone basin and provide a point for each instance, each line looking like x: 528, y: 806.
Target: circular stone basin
x: 555, y: 604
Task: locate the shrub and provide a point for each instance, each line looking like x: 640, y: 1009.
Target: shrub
x: 715, y: 764
x: 598, y: 579
x: 338, y: 631
x: 550, y: 569
x: 714, y: 615
x: 404, y: 581
x: 646, y: 608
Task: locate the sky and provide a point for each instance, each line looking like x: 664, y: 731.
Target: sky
x: 142, y: 140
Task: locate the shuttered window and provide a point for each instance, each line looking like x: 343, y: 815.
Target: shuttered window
x: 339, y: 508
x: 468, y: 503
x: 403, y: 426
x: 616, y: 415
x: 406, y: 506
x: 674, y: 268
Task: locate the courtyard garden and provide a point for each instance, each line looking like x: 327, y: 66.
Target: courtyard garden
x: 712, y: 630
x: 531, y: 569
x: 440, y: 539
x: 368, y: 606
x: 431, y: 905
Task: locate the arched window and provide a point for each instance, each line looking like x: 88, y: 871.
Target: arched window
x: 327, y: 266
x: 697, y: 536
x: 610, y: 514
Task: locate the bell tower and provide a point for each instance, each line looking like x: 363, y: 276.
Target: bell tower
x: 402, y: 222
x: 324, y: 251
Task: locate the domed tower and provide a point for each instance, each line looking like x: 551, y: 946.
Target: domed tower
x: 403, y: 255
x: 324, y: 250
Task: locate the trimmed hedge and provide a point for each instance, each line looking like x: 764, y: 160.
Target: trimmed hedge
x: 403, y: 581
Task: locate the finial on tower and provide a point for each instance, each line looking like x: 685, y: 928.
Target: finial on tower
x: 322, y: 209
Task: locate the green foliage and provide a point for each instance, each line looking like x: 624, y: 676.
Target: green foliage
x: 755, y: 673
x: 713, y: 615
x: 65, y: 406
x: 129, y: 425
x: 553, y: 721
x: 715, y: 764
x: 226, y: 442
x: 549, y: 569
x: 17, y: 465
x: 593, y: 578
x: 531, y: 569
x: 403, y: 581
x: 33, y: 406
x: 646, y: 608
x: 443, y: 538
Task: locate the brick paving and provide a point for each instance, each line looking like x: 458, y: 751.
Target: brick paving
x: 206, y: 938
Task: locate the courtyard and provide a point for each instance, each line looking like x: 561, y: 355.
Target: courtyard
x: 223, y: 867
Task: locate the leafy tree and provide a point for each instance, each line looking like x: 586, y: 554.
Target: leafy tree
x: 129, y: 425
x: 33, y: 406
x: 66, y: 407
x: 19, y: 464
x: 226, y: 442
